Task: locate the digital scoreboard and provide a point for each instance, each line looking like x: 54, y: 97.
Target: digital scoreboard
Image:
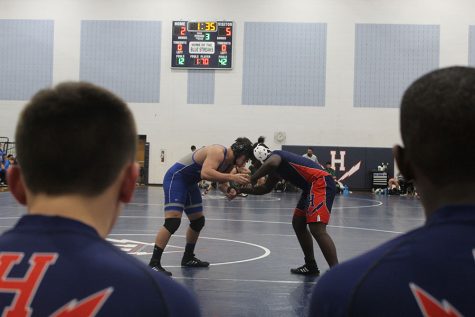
x: 202, y: 44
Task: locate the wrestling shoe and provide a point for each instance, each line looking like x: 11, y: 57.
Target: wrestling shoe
x: 306, y: 270
x: 157, y: 267
x: 193, y: 262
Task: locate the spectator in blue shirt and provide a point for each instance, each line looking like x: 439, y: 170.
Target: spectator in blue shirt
x: 9, y: 161
x: 2, y: 169
x: 429, y: 271
x: 55, y: 261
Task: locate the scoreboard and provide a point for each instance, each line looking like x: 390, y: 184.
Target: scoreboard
x: 202, y: 44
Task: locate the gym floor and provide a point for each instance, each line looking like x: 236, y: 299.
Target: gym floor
x: 251, y: 245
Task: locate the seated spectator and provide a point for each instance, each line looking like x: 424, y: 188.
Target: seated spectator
x: 55, y: 261
x: 407, y: 186
x: 2, y: 167
x: 10, y: 160
x: 429, y: 271
x: 3, y: 175
x: 394, y: 188
x: 399, y: 186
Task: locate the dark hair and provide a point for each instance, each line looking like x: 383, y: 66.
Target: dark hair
x: 258, y: 143
x: 309, y: 148
x: 242, y: 146
x: 74, y: 139
x: 437, y: 122
x: 193, y: 147
x: 328, y: 163
x: 261, y: 139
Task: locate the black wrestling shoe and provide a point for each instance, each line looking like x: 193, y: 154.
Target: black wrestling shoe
x: 157, y: 267
x: 193, y: 262
x: 306, y: 270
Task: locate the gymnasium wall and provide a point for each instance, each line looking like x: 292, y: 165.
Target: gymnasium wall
x: 353, y: 165
x: 327, y: 73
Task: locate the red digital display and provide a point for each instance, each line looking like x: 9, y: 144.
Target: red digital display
x: 202, y: 61
x: 225, y: 31
x: 179, y: 30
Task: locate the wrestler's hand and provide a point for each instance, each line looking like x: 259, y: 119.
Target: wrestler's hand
x: 241, y: 179
x: 232, y: 193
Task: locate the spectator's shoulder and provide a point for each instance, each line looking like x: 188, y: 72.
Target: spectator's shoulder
x: 335, y: 288
x: 352, y: 269
x: 178, y: 300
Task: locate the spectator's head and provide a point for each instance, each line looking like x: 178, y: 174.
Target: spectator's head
x: 328, y: 165
x: 242, y: 151
x: 309, y: 151
x: 261, y: 139
x: 437, y: 126
x: 193, y: 148
x: 58, y: 132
